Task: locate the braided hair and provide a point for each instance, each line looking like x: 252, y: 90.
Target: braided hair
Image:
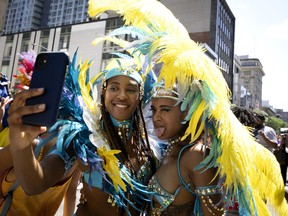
x: 138, y: 128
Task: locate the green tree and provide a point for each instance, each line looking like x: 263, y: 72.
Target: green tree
x: 275, y: 123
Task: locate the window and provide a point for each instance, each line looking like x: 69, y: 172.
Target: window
x: 65, y: 38
x: 8, y: 49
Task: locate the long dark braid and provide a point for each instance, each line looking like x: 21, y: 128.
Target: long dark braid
x: 116, y: 142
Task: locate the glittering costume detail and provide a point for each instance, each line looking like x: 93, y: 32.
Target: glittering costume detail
x: 165, y: 199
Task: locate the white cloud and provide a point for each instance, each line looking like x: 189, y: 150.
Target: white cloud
x: 279, y: 31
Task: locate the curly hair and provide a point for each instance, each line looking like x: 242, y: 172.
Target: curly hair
x: 246, y: 116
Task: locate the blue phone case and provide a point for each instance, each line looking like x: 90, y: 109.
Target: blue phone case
x: 49, y: 73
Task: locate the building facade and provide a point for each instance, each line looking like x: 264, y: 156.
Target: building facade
x: 3, y: 11
x: 251, y: 75
x: 241, y: 95
x: 66, y: 38
x: 211, y: 22
x: 29, y: 15
x: 65, y: 12
x: 208, y: 21
x: 23, y: 15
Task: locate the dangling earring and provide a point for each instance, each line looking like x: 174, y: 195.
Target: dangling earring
x: 103, y: 87
x: 141, y: 92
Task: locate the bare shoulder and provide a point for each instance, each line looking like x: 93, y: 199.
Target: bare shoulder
x: 194, y: 155
x: 189, y: 162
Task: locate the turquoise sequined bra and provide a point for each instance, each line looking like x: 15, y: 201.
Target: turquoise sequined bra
x: 165, y: 199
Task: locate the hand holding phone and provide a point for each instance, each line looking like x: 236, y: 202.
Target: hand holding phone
x: 49, y: 73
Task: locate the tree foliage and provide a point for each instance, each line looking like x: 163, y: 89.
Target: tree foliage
x: 275, y: 123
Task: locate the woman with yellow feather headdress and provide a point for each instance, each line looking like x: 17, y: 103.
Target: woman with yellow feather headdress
x: 235, y: 153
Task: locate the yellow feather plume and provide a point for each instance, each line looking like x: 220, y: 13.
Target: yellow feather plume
x: 86, y: 89
x: 147, y: 11
x: 193, y: 124
x: 110, y: 165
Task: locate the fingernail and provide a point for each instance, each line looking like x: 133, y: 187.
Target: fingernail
x: 41, y: 106
x: 40, y: 89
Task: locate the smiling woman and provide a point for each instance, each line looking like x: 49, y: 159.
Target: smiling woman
x: 106, y: 137
x: 121, y: 97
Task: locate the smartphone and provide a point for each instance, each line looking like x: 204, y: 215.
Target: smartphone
x: 49, y: 73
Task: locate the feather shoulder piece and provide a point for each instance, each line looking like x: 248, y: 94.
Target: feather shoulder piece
x: 80, y: 125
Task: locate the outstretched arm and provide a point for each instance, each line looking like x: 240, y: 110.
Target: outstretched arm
x: 71, y: 194
x: 35, y: 177
x: 271, y: 142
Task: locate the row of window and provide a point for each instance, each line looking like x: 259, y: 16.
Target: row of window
x: 54, y: 13
x: 43, y: 43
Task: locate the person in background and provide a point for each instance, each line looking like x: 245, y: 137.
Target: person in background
x: 4, y: 85
x: 245, y: 116
x: 5, y: 100
x: 282, y: 155
x: 265, y: 135
x: 4, y: 104
x: 15, y: 201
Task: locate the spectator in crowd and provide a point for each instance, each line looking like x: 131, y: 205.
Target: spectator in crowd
x: 265, y: 135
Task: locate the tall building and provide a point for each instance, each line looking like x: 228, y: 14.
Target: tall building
x: 3, y: 9
x: 211, y: 22
x: 64, y: 12
x: 27, y: 15
x: 23, y: 15
x: 251, y: 78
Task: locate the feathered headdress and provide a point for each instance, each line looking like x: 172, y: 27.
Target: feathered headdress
x: 202, y: 88
x: 26, y: 67
x: 80, y: 121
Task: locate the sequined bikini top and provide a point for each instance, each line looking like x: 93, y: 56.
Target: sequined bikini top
x: 165, y: 199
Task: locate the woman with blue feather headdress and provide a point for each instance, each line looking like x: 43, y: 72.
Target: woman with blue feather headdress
x: 105, y: 136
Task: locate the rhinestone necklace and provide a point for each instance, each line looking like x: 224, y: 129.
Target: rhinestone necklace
x: 170, y: 146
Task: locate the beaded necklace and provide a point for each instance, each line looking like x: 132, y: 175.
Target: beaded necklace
x: 124, y: 128
x: 170, y: 146
x: 125, y: 131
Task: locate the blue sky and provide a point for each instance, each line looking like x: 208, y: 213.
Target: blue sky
x: 262, y: 32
